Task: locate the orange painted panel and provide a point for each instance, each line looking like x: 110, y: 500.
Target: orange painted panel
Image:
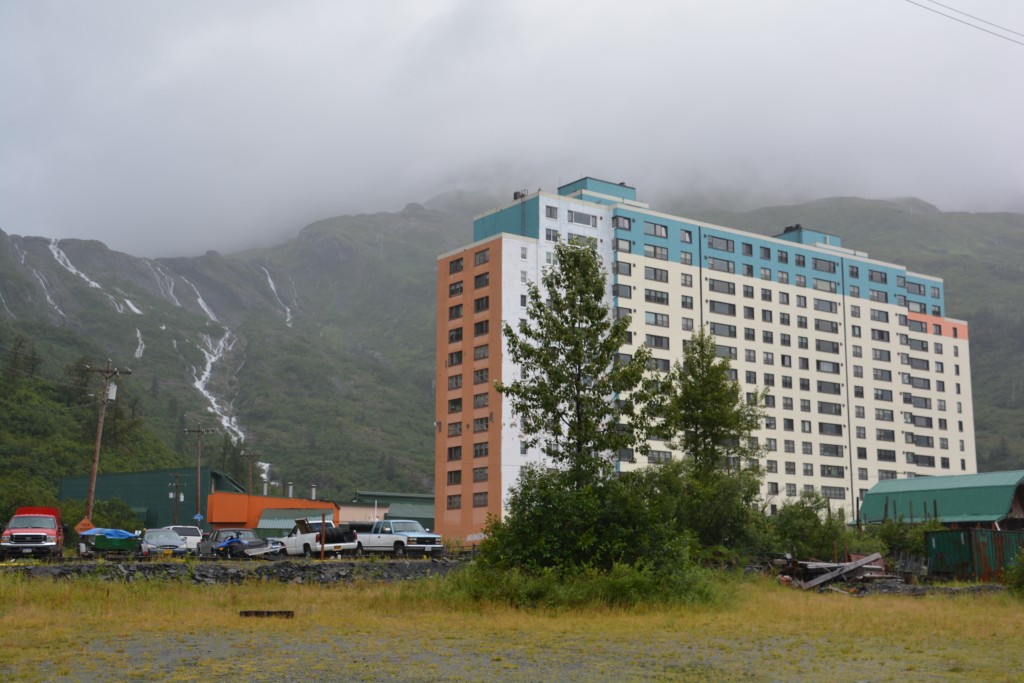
x: 949, y: 328
x: 225, y: 509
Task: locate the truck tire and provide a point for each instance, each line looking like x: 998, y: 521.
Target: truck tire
x: 358, y: 552
x: 307, y: 551
x: 399, y: 549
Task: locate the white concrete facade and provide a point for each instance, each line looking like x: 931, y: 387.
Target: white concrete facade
x: 866, y: 377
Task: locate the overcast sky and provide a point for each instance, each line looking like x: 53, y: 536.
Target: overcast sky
x: 167, y: 128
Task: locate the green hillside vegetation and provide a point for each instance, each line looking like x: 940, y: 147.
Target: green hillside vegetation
x: 343, y: 397
x: 49, y: 427
x: 979, y: 258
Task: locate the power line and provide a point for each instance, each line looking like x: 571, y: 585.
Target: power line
x: 966, y: 23
x: 954, y: 9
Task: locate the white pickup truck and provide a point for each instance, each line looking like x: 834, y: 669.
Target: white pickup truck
x: 400, y: 537
x: 304, y: 539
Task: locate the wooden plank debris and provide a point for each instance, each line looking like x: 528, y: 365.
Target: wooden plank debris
x: 842, y: 570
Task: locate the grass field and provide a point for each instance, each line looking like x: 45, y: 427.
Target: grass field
x: 88, y: 630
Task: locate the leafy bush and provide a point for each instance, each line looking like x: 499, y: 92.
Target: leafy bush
x: 899, y: 536
x: 807, y: 528
x: 1015, y: 575
x: 552, y: 524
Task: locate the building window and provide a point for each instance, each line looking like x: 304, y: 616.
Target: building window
x: 479, y: 474
x: 656, y: 274
x: 622, y: 223
x: 657, y: 319
x: 658, y: 457
x: 454, y: 428
x: 834, y: 492
x: 454, y: 453
x: 655, y: 229
x: 455, y: 312
x: 656, y: 297
x: 721, y: 265
x: 481, y: 400
x: 455, y: 381
x: 454, y: 502
x: 455, y: 405
x: 651, y: 251
x: 480, y: 376
x: 480, y: 450
x: 481, y: 352
x: 455, y: 266
x: 455, y: 335
x: 481, y: 424
x: 454, y: 358
x: 581, y: 218
x: 480, y: 499
x: 454, y: 477
x: 551, y: 212
x: 720, y: 243
x: 455, y: 288
x: 481, y: 328
x: 656, y: 342
x: 482, y: 304
x: 686, y: 236
x: 481, y: 257
x: 482, y: 280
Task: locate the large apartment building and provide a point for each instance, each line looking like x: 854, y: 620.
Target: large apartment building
x: 867, y: 377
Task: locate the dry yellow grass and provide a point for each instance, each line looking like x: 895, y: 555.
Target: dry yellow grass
x: 89, y: 630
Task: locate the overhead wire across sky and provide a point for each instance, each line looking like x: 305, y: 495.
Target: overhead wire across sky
x: 967, y: 23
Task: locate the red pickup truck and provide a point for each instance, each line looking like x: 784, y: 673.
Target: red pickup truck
x: 33, y: 531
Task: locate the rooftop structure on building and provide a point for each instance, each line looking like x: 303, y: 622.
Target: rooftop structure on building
x: 868, y: 379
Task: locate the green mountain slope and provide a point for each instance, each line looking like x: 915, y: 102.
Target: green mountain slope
x: 320, y: 350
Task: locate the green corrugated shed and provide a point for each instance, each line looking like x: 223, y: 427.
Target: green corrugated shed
x: 987, y: 498
x: 276, y: 523
x: 972, y: 554
x: 149, y: 493
x: 421, y: 512
x: 391, y: 498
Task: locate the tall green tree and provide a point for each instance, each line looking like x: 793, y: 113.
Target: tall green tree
x: 705, y: 415
x: 581, y: 402
x: 576, y: 397
x: 704, y: 412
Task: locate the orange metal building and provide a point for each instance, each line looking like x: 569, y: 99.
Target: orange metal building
x: 242, y: 510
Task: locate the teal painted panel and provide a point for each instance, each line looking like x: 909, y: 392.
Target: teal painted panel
x: 949, y: 554
x: 521, y: 218
x: 593, y: 185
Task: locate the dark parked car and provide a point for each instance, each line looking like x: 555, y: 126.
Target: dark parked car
x: 236, y: 543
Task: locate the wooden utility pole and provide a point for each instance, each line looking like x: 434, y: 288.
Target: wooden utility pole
x: 199, y: 431
x: 107, y: 373
x: 177, y: 487
x: 250, y: 458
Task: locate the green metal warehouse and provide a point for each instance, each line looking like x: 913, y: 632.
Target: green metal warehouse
x: 157, y: 497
